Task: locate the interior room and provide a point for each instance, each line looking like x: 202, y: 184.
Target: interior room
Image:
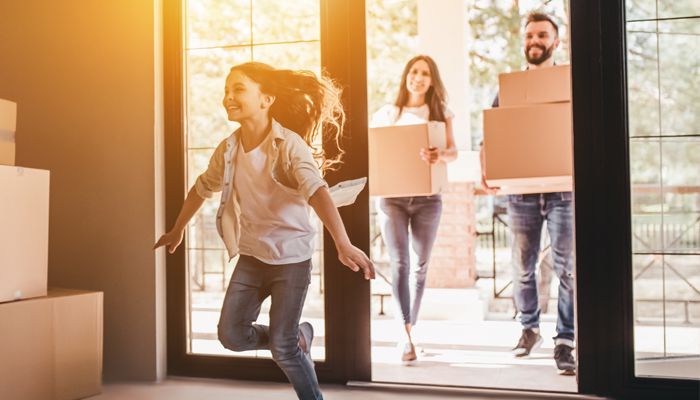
x: 111, y: 118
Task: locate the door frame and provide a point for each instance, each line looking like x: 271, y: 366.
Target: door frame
x: 346, y: 294
x: 602, y: 193
x: 603, y: 213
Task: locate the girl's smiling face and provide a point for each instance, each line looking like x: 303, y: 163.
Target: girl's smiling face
x: 243, y: 98
x: 418, y: 79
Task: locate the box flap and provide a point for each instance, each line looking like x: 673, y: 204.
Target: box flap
x: 535, y: 86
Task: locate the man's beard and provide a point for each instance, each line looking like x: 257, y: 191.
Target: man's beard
x: 546, y: 53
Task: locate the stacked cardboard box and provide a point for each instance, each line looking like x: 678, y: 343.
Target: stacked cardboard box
x: 50, y: 341
x: 52, y: 346
x: 395, y: 166
x: 24, y: 232
x: 8, y: 124
x: 527, y: 139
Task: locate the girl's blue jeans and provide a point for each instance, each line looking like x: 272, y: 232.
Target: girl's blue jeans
x: 251, y: 283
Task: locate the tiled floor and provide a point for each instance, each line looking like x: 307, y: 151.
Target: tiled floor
x: 473, y: 354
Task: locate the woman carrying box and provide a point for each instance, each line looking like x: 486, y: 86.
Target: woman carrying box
x: 421, y: 98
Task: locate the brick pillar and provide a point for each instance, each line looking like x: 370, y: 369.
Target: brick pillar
x: 453, y: 264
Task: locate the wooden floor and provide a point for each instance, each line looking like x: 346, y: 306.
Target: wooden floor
x: 211, y: 389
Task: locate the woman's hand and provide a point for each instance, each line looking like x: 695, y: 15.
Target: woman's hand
x: 355, y: 259
x: 488, y: 189
x: 171, y: 239
x: 431, y: 155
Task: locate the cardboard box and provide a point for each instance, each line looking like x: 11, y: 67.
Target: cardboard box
x: 535, y: 86
x: 8, y: 127
x: 52, y: 346
x: 26, y: 345
x: 24, y: 232
x: 395, y: 166
x: 529, y: 146
x: 565, y: 185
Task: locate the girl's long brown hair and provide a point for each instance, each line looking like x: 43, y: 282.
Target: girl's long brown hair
x: 435, y: 97
x: 306, y: 104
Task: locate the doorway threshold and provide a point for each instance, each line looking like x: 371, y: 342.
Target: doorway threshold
x: 475, y: 392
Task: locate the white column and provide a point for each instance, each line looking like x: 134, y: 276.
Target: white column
x: 443, y: 30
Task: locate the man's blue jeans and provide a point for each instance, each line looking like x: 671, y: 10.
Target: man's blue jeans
x: 252, y: 282
x: 422, y: 215
x: 527, y: 213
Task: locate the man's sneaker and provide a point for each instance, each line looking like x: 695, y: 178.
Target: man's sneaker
x: 306, y: 337
x: 529, y: 341
x: 409, y: 354
x: 565, y: 359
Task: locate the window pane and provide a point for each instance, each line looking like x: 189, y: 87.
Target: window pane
x: 680, y: 8
x: 201, y: 232
x: 197, y: 162
x: 663, y: 60
x: 207, y: 124
x: 217, y: 23
x: 640, y: 9
x: 392, y: 27
x: 683, y: 289
x: 293, y: 56
x: 680, y: 26
x: 643, y: 79
x: 648, y: 311
x: 680, y: 76
x: 645, y: 179
x: 275, y: 21
x: 681, y: 184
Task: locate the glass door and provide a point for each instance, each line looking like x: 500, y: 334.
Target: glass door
x: 218, y: 35
x: 663, y: 65
x: 467, y: 323
x: 203, y: 40
x: 635, y: 69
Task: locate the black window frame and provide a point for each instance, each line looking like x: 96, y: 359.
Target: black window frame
x: 603, y: 214
x: 347, y: 300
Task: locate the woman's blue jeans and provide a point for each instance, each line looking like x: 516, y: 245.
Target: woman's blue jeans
x: 252, y: 282
x: 415, y: 219
x: 527, y: 213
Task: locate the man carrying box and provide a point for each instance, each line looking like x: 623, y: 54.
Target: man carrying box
x: 527, y: 214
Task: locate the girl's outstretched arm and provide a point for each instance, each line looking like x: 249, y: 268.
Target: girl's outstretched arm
x: 349, y: 255
x: 173, y: 238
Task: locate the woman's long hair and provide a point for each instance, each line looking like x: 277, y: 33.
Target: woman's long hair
x: 304, y: 103
x: 435, y: 97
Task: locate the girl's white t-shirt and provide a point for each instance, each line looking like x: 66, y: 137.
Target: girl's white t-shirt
x: 386, y: 116
x: 275, y: 224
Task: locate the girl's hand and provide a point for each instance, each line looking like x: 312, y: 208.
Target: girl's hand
x: 171, y: 239
x: 356, y: 260
x: 431, y: 155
